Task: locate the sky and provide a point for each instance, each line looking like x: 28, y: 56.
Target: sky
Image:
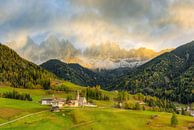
x: 155, y: 24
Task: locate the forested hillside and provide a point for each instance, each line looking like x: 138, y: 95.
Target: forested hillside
x: 170, y: 75
x: 77, y: 74
x: 18, y: 72
x: 73, y: 72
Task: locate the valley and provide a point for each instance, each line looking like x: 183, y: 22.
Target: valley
x: 82, y: 118
x: 164, y: 76
x: 24, y: 84
x: 96, y: 64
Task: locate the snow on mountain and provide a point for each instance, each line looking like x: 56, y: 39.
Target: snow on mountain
x: 103, y: 56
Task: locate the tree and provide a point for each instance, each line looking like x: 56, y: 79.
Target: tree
x: 174, y: 120
x: 183, y: 111
x: 137, y: 106
x: 144, y: 108
x: 16, y: 95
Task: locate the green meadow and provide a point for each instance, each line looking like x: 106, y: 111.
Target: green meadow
x: 99, y: 119
x: 103, y: 117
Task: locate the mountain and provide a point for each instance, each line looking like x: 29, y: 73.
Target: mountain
x: 114, y: 52
x: 27, y: 51
x: 109, y: 64
x: 111, y: 74
x: 169, y: 75
x: 72, y: 72
x: 51, y: 48
x: 75, y: 73
x: 104, y: 56
x: 19, y: 72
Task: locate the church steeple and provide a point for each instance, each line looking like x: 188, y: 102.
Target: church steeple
x: 77, y: 95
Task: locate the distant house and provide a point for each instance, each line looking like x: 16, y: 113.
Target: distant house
x: 192, y: 113
x: 58, y: 102
x: 72, y: 103
x: 141, y: 103
x: 46, y: 101
x: 179, y: 109
x: 190, y: 110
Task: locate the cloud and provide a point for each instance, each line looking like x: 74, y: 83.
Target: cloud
x: 18, y: 42
x: 136, y: 22
x: 154, y: 24
x: 182, y: 14
x: 32, y: 17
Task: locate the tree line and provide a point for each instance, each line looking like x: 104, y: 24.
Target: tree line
x: 16, y: 95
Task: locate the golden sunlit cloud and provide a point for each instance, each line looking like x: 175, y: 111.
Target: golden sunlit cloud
x: 182, y: 15
x: 155, y: 24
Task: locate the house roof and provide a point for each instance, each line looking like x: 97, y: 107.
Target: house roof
x: 50, y: 99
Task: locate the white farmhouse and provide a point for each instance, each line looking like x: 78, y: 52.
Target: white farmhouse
x: 46, y: 101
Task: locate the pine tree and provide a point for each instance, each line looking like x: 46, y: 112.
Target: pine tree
x: 137, y: 106
x: 144, y: 108
x: 183, y: 111
x: 174, y: 120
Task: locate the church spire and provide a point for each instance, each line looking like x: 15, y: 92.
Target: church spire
x: 77, y: 95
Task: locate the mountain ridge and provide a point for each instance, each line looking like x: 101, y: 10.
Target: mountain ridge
x: 108, y: 53
x: 163, y: 76
x: 75, y: 73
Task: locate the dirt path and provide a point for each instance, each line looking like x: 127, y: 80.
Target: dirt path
x: 2, y: 124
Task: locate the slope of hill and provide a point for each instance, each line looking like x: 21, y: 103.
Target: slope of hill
x: 169, y: 75
x: 19, y: 72
x: 77, y: 74
x: 72, y: 72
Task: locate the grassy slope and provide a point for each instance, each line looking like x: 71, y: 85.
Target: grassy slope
x: 80, y: 118
x: 98, y: 119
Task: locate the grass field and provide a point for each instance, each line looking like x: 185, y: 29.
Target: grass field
x: 99, y: 119
x: 103, y: 118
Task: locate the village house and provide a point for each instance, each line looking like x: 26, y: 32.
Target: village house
x: 71, y: 103
x: 46, y: 101
x: 188, y: 109
x: 58, y: 103
x: 192, y: 113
